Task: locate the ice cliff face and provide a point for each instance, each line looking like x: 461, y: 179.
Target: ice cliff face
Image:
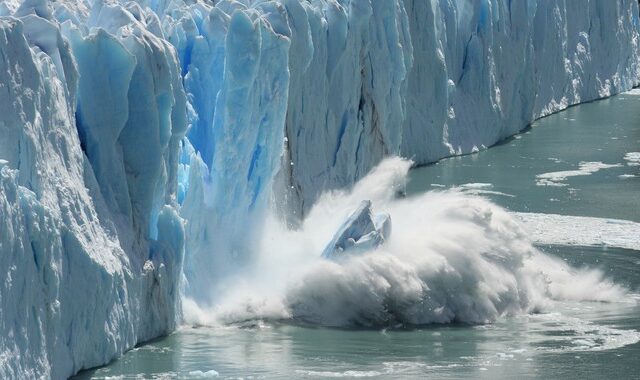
x: 495, y: 66
x: 121, y: 121
x: 366, y: 79
x: 91, y: 243
x: 428, y: 79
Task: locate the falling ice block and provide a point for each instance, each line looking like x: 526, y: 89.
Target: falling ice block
x: 361, y: 232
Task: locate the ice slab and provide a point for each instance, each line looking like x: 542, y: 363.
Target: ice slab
x: 361, y: 232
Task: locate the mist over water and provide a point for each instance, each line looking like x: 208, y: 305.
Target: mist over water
x: 452, y: 257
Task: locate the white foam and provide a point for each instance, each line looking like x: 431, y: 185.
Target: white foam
x: 451, y: 257
x: 481, y: 189
x: 635, y: 92
x: 580, y: 231
x: 203, y: 374
x: 335, y: 374
x: 585, y: 336
x: 476, y: 186
x: 395, y: 368
x: 632, y: 158
x: 584, y: 169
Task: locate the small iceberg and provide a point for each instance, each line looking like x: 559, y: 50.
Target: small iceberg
x: 361, y: 232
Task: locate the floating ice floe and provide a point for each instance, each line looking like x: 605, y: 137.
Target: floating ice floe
x: 632, y: 158
x: 584, y: 169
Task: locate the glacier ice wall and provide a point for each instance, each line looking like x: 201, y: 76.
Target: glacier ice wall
x: 122, y: 120
x: 244, y: 150
x: 495, y: 66
x: 424, y: 79
x: 91, y: 243
x: 442, y: 78
x: 366, y: 79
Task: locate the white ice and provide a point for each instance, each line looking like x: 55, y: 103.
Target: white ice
x: 360, y: 232
x: 584, y: 169
x: 133, y: 132
x: 580, y: 231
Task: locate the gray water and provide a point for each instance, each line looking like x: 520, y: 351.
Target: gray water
x: 577, y: 340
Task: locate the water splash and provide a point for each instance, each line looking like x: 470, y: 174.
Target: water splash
x: 452, y: 257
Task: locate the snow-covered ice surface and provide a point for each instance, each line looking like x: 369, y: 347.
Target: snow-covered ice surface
x: 279, y: 101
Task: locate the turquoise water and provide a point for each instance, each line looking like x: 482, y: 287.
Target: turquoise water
x: 575, y: 340
x: 604, y: 131
x: 537, y: 346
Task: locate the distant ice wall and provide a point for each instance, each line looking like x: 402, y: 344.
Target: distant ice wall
x: 431, y: 78
x: 483, y: 70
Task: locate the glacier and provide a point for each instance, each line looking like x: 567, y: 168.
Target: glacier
x: 91, y: 240
x: 143, y: 143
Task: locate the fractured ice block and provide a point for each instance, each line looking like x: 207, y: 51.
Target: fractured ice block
x: 361, y: 232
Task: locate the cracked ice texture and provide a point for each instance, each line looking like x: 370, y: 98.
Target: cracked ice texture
x: 91, y: 243
x: 278, y: 100
x: 423, y: 79
x: 362, y: 80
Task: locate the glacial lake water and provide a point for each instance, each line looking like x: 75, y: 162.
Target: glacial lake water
x: 579, y: 162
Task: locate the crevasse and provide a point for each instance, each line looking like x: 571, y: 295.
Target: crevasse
x: 135, y: 132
